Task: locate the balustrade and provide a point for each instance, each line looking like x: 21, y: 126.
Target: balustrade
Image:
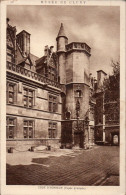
x: 77, y: 45
x: 28, y: 73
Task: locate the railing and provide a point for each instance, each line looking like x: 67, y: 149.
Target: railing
x: 31, y: 74
x: 78, y: 45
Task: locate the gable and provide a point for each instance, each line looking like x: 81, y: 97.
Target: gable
x: 9, y: 40
x: 19, y: 55
x: 27, y: 61
x: 52, y: 62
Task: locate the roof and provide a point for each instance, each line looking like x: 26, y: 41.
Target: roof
x: 25, y: 58
x: 22, y: 32
x: 33, y: 58
x: 61, y: 32
x: 41, y: 60
x: 102, y: 71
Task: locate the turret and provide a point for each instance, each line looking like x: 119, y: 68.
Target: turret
x: 62, y: 41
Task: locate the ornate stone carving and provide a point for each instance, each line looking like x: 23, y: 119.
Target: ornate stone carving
x: 78, y: 126
x: 67, y: 113
x: 78, y: 108
x: 31, y: 74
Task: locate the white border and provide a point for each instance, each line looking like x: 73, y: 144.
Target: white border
x: 28, y: 189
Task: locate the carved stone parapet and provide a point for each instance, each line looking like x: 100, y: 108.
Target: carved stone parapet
x: 33, y: 75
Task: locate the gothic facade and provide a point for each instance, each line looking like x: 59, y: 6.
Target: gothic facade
x: 50, y: 100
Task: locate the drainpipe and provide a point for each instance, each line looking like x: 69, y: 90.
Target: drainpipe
x: 103, y: 120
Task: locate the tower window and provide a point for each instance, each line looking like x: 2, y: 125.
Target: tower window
x: 78, y: 93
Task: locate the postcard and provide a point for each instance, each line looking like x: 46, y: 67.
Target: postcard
x: 62, y: 97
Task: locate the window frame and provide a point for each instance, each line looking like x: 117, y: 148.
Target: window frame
x: 28, y: 97
x: 28, y: 127
x: 52, y: 131
x: 14, y: 125
x: 78, y: 93
x: 14, y: 92
x: 52, y: 104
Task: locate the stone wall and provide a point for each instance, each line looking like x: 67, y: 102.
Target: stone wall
x: 110, y: 132
x: 20, y: 145
x: 39, y: 114
x: 71, y: 99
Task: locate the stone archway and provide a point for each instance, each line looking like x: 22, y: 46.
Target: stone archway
x: 115, y: 139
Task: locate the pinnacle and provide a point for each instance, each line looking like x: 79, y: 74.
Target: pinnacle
x: 61, y: 31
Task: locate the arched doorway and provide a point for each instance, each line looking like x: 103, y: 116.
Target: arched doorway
x: 115, y: 139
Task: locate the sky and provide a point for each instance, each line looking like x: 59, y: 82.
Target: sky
x: 98, y: 26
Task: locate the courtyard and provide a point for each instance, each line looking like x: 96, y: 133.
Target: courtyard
x: 98, y: 166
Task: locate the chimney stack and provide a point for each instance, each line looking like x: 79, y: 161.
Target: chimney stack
x: 101, y: 75
x: 46, y: 50
x: 51, y: 49
x: 23, y: 39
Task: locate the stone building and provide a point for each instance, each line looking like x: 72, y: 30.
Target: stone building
x: 74, y: 67
x: 50, y: 100
x: 107, y: 128
x: 33, y: 99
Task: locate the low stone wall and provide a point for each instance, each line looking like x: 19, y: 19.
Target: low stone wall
x: 25, y: 145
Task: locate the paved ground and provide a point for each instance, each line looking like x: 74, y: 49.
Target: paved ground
x: 97, y: 166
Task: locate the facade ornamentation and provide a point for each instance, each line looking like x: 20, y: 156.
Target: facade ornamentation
x: 40, y: 89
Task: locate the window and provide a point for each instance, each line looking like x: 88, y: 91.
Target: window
x: 112, y: 117
x: 98, y: 132
x: 52, y: 130
x: 78, y: 93
x: 53, y: 105
x: 11, y: 93
x: 53, y: 78
x: 11, y: 125
x: 100, y: 121
x: 28, y: 98
x: 28, y: 129
x: 9, y: 58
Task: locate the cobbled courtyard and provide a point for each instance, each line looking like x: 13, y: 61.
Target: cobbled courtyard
x: 93, y: 167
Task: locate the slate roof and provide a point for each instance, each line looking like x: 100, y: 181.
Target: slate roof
x: 61, y: 31
x: 41, y: 60
x: 33, y: 58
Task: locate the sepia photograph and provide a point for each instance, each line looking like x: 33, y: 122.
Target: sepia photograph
x: 63, y: 95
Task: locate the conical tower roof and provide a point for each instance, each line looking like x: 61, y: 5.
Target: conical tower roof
x: 61, y: 32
